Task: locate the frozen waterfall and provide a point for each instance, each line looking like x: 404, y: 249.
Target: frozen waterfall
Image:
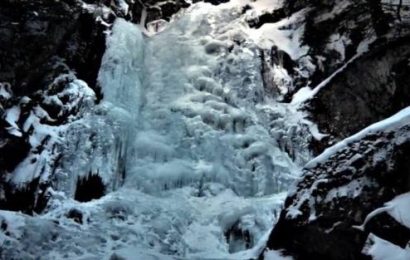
x: 194, y: 152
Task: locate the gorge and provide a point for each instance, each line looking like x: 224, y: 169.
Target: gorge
x: 236, y: 129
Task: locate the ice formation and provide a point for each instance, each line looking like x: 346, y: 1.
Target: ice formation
x: 195, y: 156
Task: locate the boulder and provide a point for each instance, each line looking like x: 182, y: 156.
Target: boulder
x: 327, y: 215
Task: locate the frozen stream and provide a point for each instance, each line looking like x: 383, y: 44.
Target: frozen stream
x: 195, y: 152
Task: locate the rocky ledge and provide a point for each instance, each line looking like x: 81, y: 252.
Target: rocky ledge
x: 349, y: 195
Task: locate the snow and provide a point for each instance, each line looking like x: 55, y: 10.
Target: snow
x: 45, y: 137
x: 124, y: 7
x: 5, y: 91
x: 12, y: 116
x: 398, y: 208
x: 131, y: 253
x: 303, y: 94
x: 306, y: 93
x: 399, y: 119
x: 275, y: 255
x: 338, y: 43
x: 261, y: 6
x: 288, y: 40
x: 14, y: 221
x: 102, y: 12
x: 380, y: 249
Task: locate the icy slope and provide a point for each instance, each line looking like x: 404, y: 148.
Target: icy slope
x: 194, y: 155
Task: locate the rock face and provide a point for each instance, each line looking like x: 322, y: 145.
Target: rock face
x: 30, y: 37
x: 340, y: 188
x: 147, y: 11
x: 370, y: 89
x: 332, y: 31
x: 359, y: 51
x: 39, y: 41
x: 335, y: 31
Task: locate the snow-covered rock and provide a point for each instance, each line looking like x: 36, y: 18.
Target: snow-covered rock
x: 357, y: 187
x: 370, y: 88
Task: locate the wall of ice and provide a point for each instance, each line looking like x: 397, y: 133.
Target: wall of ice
x: 185, y: 108
x: 192, y: 151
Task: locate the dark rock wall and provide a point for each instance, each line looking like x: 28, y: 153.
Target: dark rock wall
x: 39, y: 41
x: 370, y: 89
x: 351, y: 22
x: 338, y: 193
x: 32, y: 32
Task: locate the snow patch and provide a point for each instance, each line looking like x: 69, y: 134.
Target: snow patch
x: 398, y: 208
x: 279, y: 34
x: 380, y: 249
x: 399, y: 119
x: 5, y: 91
x: 275, y: 255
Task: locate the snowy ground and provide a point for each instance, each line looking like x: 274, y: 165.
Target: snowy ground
x: 195, y: 154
